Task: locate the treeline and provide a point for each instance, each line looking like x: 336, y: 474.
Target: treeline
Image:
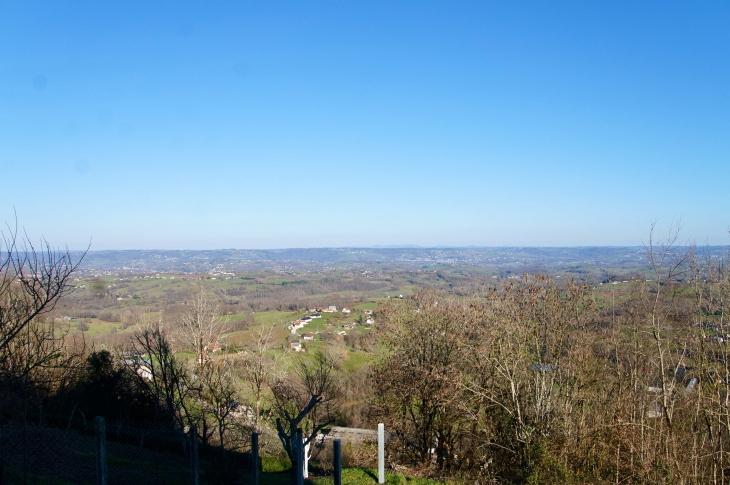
x: 535, y: 382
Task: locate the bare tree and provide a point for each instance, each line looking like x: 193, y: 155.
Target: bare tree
x: 200, y: 326
x: 220, y: 395
x: 528, y: 366
x: 40, y: 361
x: 261, y: 367
x: 668, y: 263
x: 308, y: 401
x: 168, y: 380
x: 417, y: 383
x: 31, y: 282
x: 485, y: 379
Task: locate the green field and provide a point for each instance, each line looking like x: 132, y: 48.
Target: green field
x: 371, y: 305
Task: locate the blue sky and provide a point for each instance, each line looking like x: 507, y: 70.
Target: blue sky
x: 207, y: 125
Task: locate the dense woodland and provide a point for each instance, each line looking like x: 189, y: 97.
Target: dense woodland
x: 529, y: 379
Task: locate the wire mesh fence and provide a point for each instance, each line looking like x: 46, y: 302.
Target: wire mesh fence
x: 117, y: 453
x: 41, y: 455
x: 139, y: 453
x: 147, y: 454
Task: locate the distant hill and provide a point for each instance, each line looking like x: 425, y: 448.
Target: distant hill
x: 303, y: 259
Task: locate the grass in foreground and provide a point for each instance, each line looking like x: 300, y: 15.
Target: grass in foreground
x: 369, y: 476
x: 350, y: 476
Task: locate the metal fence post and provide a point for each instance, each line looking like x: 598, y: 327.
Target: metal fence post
x: 299, y: 455
x: 254, y: 458
x: 381, y: 453
x: 3, y: 476
x: 194, y: 463
x: 337, y: 462
x: 102, y: 477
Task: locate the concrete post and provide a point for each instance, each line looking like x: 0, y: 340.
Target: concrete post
x: 194, y: 462
x: 255, y: 458
x: 381, y: 453
x: 305, y: 460
x: 337, y: 451
x: 102, y: 477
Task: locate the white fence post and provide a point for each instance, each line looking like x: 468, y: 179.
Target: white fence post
x: 306, y: 459
x: 381, y: 453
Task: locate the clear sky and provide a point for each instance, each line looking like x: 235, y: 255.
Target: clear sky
x: 208, y: 125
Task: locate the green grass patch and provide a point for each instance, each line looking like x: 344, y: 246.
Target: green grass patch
x: 274, y: 464
x: 273, y: 318
x: 369, y: 476
x: 96, y: 327
x: 371, y: 305
x: 356, y: 360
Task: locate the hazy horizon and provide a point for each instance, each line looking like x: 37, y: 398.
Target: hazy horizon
x: 404, y: 246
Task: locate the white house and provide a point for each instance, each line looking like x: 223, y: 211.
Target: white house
x: 298, y: 324
x: 144, y: 372
x: 307, y: 336
x: 345, y: 310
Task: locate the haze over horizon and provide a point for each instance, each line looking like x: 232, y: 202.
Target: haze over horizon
x: 364, y: 124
